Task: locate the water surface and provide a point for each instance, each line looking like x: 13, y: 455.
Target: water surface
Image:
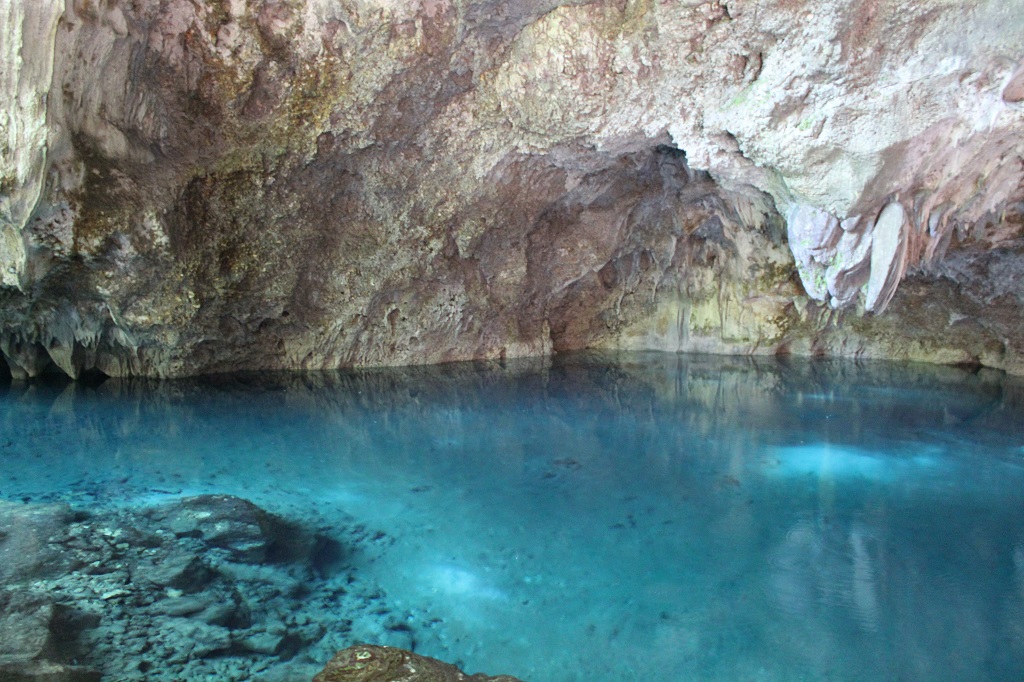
x: 603, y: 518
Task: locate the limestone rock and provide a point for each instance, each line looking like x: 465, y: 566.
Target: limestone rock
x: 29, y: 31
x: 367, y: 663
x: 888, y: 251
x: 196, y: 187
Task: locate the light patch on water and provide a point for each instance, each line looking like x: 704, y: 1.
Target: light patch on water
x: 461, y: 583
x: 835, y: 462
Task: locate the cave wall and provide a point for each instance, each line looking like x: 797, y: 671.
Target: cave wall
x: 192, y: 186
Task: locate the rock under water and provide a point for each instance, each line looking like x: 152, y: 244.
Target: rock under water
x: 206, y: 587
x: 204, y: 186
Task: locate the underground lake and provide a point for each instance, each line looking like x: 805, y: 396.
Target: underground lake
x: 598, y: 517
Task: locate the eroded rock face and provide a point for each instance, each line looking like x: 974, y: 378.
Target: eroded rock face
x: 205, y: 186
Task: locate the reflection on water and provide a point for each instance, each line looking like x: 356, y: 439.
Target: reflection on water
x: 602, y: 517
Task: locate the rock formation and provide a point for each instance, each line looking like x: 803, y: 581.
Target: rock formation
x: 368, y: 663
x: 193, y: 186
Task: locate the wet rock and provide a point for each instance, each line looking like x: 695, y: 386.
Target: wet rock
x: 220, y: 605
x: 232, y: 613
x: 366, y: 663
x: 263, y: 643
x: 182, y: 606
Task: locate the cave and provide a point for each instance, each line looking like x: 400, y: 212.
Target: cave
x: 499, y: 313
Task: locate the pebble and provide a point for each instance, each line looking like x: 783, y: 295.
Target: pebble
x: 113, y: 594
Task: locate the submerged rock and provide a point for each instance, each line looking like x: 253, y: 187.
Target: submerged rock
x: 30, y: 647
x: 24, y: 626
x: 246, y: 532
x: 206, y: 587
x: 366, y: 663
x: 185, y: 572
x: 48, y: 671
x: 30, y: 541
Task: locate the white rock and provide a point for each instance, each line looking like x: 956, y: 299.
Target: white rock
x: 888, y: 246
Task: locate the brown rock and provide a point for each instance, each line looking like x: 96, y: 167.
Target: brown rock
x: 368, y: 663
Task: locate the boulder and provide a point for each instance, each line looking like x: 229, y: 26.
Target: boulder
x: 368, y: 663
x: 248, y: 533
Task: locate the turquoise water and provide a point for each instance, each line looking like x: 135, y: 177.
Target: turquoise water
x: 599, y: 518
